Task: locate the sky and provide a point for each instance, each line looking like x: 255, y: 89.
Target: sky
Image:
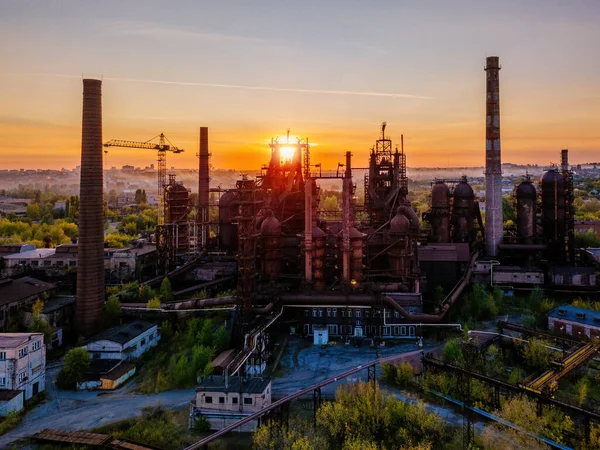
x: 329, y: 70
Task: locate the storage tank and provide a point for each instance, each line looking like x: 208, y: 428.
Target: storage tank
x: 227, y: 230
x: 526, y: 210
x: 270, y: 231
x: 400, y: 253
x: 462, y: 211
x: 553, y: 205
x: 439, y: 216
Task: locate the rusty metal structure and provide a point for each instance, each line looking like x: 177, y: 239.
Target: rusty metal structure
x: 202, y: 214
x: 493, y: 163
x: 526, y: 196
x: 90, y: 255
x: 174, y: 236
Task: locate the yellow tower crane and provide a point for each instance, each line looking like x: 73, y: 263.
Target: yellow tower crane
x: 162, y: 147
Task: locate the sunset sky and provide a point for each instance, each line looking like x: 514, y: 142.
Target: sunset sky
x: 329, y: 70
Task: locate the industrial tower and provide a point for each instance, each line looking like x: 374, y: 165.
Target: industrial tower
x: 493, y: 163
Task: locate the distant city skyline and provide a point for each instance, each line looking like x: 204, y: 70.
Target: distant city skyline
x: 331, y: 71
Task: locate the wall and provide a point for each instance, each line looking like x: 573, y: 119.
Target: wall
x: 16, y: 404
x: 258, y: 401
x: 33, y: 365
x: 572, y: 328
x: 105, y: 349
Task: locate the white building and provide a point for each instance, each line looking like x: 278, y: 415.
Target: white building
x: 23, y: 362
x: 225, y: 401
x: 126, y: 341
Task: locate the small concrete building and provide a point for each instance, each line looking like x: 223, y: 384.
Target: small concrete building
x: 223, y: 401
x: 580, y: 323
x: 23, y: 362
x: 106, y: 374
x: 127, y: 341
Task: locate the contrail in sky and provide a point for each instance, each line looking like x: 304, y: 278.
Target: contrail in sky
x: 247, y: 87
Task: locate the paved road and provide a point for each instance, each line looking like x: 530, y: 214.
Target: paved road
x: 83, y: 410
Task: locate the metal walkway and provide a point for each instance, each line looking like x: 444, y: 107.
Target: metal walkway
x: 315, y: 389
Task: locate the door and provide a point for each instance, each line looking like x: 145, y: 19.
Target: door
x: 36, y: 387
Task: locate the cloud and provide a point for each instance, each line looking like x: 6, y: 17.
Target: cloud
x: 243, y: 86
x: 153, y: 30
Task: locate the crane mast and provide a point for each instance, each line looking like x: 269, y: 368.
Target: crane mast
x: 162, y: 147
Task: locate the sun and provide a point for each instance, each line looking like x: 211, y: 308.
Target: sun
x: 287, y: 153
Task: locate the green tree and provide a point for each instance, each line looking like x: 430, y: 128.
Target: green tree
x: 75, y: 363
x: 153, y: 303
x: 33, y: 211
x: 453, y: 351
x: 146, y: 294
x: 112, y: 311
x: 166, y: 292
x: 37, y: 323
x: 536, y: 353
x: 221, y: 339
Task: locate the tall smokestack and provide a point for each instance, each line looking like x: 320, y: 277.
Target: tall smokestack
x: 90, y: 252
x: 493, y: 164
x: 564, y: 160
x: 203, y: 187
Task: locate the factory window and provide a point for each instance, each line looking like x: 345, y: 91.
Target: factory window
x: 320, y: 313
x: 367, y: 313
x: 2, y: 356
x: 411, y: 331
x: 358, y: 313
x: 396, y: 331
x: 388, y: 314
x: 306, y: 313
x: 59, y: 263
x: 328, y: 312
x: 306, y: 329
x: 357, y: 323
x: 248, y: 401
x: 580, y: 315
x: 343, y: 313
x: 2, y: 381
x: 23, y: 352
x: 333, y: 329
x: 334, y: 312
x: 22, y: 377
x: 207, y: 399
x: 396, y: 315
x: 36, y: 346
x: 314, y: 313
x: 402, y: 331
x: 234, y: 400
x: 72, y: 263
x: 562, y: 312
x: 222, y: 400
x: 47, y: 263
x: 386, y: 331
x: 143, y: 342
x: 35, y: 263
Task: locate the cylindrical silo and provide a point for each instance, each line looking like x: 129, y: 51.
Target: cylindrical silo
x: 270, y: 231
x: 526, y: 211
x: 553, y: 206
x: 400, y: 253
x: 90, y: 251
x: 462, y: 211
x: 440, y: 212
x: 228, y: 239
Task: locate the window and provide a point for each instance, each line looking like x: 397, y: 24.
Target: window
x: 2, y: 356
x: 314, y: 313
x: 59, y: 263
x: 222, y: 400
x: 358, y: 313
x: 248, y: 401
x: 72, y: 263
x: 306, y: 313
x: 207, y: 399
x: 334, y: 312
x: 396, y: 331
x: 35, y: 263
x: 2, y: 381
x: 320, y: 313
x: 388, y: 314
x: 234, y: 400
x: 22, y: 376
x: 47, y: 263
x: 396, y: 315
x: 367, y: 313
x: 123, y: 265
x: 36, y: 346
x: 386, y: 331
x: 328, y: 312
x: 343, y: 313
x: 143, y: 341
x: 403, y: 331
x: 23, y: 352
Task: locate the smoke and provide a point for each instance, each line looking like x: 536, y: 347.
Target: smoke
x: 247, y: 87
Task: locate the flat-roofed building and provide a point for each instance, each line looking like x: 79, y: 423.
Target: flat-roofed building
x: 23, y: 362
x: 580, y: 323
x: 225, y: 400
x: 127, y: 341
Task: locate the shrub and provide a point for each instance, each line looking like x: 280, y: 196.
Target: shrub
x: 76, y: 362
